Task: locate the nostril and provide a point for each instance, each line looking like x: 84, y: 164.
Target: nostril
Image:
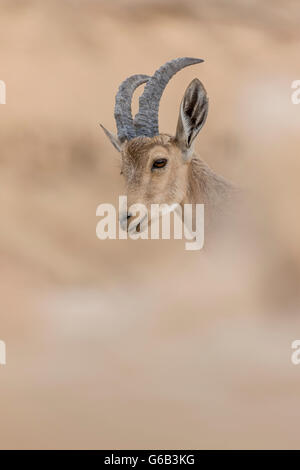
x: 128, y: 216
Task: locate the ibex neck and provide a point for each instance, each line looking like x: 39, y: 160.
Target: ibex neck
x: 205, y: 186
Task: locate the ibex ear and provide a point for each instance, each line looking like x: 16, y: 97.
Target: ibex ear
x: 192, y: 116
x: 114, y: 140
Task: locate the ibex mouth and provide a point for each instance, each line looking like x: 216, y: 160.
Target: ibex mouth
x: 131, y: 224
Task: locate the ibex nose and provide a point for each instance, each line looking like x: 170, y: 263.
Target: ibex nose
x: 128, y: 215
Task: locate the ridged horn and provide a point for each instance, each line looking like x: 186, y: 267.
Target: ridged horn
x: 146, y: 120
x: 123, y: 116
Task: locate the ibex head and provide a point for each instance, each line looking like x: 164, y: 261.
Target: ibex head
x: 156, y: 166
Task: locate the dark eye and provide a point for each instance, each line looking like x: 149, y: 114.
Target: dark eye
x: 159, y: 163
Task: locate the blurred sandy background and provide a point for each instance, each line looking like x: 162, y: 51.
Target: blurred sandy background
x: 140, y: 344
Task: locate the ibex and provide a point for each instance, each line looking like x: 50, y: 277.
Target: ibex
x: 160, y: 168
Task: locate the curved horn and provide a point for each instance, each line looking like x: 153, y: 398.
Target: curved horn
x: 146, y: 120
x: 123, y: 115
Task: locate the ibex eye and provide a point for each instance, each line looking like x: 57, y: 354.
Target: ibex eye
x: 160, y: 163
